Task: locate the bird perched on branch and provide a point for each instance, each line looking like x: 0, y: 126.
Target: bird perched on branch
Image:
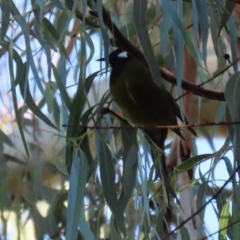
x: 142, y: 101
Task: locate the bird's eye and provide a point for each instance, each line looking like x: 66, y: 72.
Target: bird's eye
x: 123, y: 54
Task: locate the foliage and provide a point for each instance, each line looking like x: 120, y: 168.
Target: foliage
x: 60, y: 146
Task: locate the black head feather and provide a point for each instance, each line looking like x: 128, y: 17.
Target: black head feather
x: 117, y: 57
x: 117, y: 61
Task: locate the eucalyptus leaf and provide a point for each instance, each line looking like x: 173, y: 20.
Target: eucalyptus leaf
x: 223, y: 222
x: 139, y: 14
x: 5, y: 8
x: 51, y: 88
x: 78, y: 180
x: 107, y: 175
x: 5, y: 139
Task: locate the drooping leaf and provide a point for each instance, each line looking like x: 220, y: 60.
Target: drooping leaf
x: 15, y: 102
x: 139, y: 14
x: 5, y: 8
x: 51, y: 88
x: 5, y: 139
x: 233, y: 107
x: 223, y: 221
x: 107, y: 175
x: 25, y: 91
x: 78, y: 180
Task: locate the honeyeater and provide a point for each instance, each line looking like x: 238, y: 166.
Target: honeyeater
x: 142, y: 101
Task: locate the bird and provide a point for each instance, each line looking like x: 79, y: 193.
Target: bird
x: 144, y: 104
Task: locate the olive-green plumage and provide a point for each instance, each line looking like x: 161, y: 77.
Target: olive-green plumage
x: 142, y: 102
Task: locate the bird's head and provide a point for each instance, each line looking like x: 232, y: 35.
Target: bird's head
x: 117, y: 58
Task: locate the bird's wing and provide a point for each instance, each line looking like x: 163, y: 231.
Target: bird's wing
x: 153, y: 100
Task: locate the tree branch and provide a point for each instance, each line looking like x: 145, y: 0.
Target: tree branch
x: 122, y: 42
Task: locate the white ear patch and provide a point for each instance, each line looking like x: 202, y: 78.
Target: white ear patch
x: 123, y: 54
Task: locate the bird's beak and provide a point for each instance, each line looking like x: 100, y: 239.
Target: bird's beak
x: 100, y: 59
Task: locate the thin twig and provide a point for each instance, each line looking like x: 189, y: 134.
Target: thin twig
x: 201, y: 208
x: 211, y: 79
x: 221, y: 229
x: 159, y: 126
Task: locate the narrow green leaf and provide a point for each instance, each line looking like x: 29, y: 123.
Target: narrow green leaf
x: 219, y: 46
x: 235, y: 219
x: 5, y: 139
x: 178, y: 44
x: 165, y: 44
x: 24, y: 89
x: 15, y: 101
x: 160, y: 228
x: 38, y: 222
x: 57, y: 210
x: 167, y: 6
x: 89, y: 81
x: 61, y: 87
x: 232, y: 98
x: 223, y: 222
x: 58, y: 4
x: 4, y: 186
x: 107, y: 175
x: 139, y: 16
x: 233, y: 40
x: 5, y: 17
x: 104, y: 33
x: 77, y: 106
x: 40, y: 4
x: 144, y: 189
x: 114, y: 231
x: 86, y: 21
x: 203, y: 21
x: 61, y: 19
x: 145, y: 227
x: 51, y: 88
x: 230, y: 127
x: 78, y: 180
x: 228, y: 165
x: 84, y: 227
x: 226, y: 14
x: 201, y: 200
x: 190, y: 163
x: 91, y: 46
x: 65, y: 99
x: 71, y: 4
x: 60, y: 162
x: 55, y: 36
x: 219, y: 116
x: 129, y: 175
x: 25, y: 29
x: 184, y: 233
x: 56, y: 113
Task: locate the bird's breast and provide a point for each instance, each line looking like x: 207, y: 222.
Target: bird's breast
x: 130, y: 108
